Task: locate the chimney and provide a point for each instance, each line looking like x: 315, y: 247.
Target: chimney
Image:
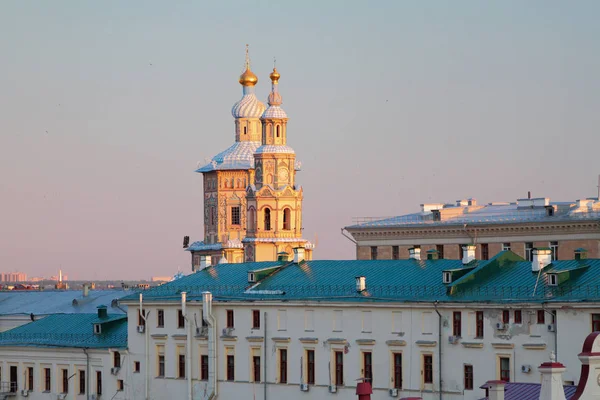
x: 86, y: 289
x: 361, y: 284
x: 60, y: 275
x: 298, y: 255
x: 468, y: 253
x: 414, y: 253
x: 552, y: 387
x: 495, y: 390
x: 205, y: 262
x: 542, y: 257
x: 102, y: 311
x: 183, y: 303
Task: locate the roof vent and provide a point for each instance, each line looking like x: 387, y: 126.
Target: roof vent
x: 542, y: 257
x: 580, y: 254
x: 283, y: 256
x: 468, y: 253
x: 432, y: 254
x: 414, y: 253
x: 361, y: 284
x: 298, y: 255
x: 102, y: 311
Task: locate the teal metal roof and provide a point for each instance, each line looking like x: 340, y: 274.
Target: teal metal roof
x: 69, y: 330
x: 57, y: 301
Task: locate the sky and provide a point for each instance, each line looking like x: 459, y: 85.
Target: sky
x: 107, y: 107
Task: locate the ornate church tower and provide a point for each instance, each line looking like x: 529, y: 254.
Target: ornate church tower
x: 274, y: 216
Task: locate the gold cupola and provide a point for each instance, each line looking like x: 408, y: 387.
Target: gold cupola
x: 248, y: 78
x: 274, y: 76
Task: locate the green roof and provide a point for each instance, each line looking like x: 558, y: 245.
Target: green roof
x: 69, y: 330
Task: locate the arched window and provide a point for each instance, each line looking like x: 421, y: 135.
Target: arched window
x: 277, y: 130
x: 245, y: 130
x: 286, y: 219
x: 267, y: 219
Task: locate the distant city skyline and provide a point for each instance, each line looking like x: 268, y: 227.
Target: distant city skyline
x: 109, y: 107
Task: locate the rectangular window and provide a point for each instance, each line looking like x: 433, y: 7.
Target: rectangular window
x: 98, y: 383
x: 518, y: 317
x: 30, y: 378
x: 373, y: 252
x: 541, y: 317
x: 136, y: 366
x: 47, y: 380
x: 14, y: 378
x: 160, y: 316
x: 81, y: 382
x: 230, y: 321
x: 235, y: 215
x: 440, y: 251
x: 310, y: 367
x: 395, y: 253
x: 255, y: 319
x: 160, y: 361
x: 468, y: 377
x: 554, y: 248
x: 505, y: 316
x: 595, y: 322
x: 485, y: 251
x: 479, y: 324
x: 141, y: 315
x: 120, y: 385
x: 256, y: 368
x: 230, y: 367
x: 529, y: 251
x: 457, y: 323
x: 368, y: 366
x: 505, y: 369
x: 116, y: 359
x: 339, y: 368
x: 427, y: 368
x: 505, y: 246
x: 282, y: 366
x: 181, y: 366
x: 204, y: 368
x: 180, y: 319
x: 65, y: 381
x: 398, y: 370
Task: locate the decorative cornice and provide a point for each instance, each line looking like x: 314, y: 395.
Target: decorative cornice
x: 365, y: 342
x: 534, y: 346
x: 472, y: 345
x: 281, y: 339
x: 503, y: 345
x: 309, y: 340
x: 229, y: 338
x: 255, y: 339
x: 395, y: 342
x: 426, y: 343
x: 159, y: 336
x: 179, y: 336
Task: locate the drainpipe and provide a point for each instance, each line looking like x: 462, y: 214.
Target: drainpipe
x: 211, y: 321
x: 188, y: 347
x: 265, y: 357
x: 147, y: 348
x: 87, y: 372
x: 439, y: 346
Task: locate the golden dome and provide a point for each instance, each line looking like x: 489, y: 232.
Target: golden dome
x: 274, y: 76
x: 248, y: 78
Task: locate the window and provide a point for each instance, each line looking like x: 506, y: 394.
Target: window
x: 204, y: 368
x: 437, y: 216
x: 81, y: 381
x: 230, y: 367
x: 181, y: 365
x: 398, y: 370
x: 30, y: 378
x: 256, y: 368
x: 160, y: 316
x: 97, y: 329
x: 160, y: 353
x: 98, y: 383
x: 235, y: 215
x: 468, y: 377
x: 456, y: 323
x: 440, y: 250
x: 541, y: 317
x: 116, y: 359
x: 267, y: 219
x: 47, y: 380
x: 554, y: 248
x: 479, y: 324
x: 485, y: 251
x: 529, y: 251
x: 505, y: 246
x: 277, y: 130
x: 230, y: 320
x: 180, y: 319
x: 427, y: 368
x: 287, y: 219
x: 339, y: 368
x: 505, y: 369
x: 368, y: 366
x: 141, y: 316
x: 518, y: 317
x: 255, y: 319
x: 245, y: 129
x: 282, y: 365
x: 136, y: 366
x: 395, y: 253
x: 65, y: 381
x: 14, y: 376
x: 552, y: 280
x: 120, y: 385
x: 373, y: 252
x: 505, y: 316
x: 595, y: 322
x: 310, y: 367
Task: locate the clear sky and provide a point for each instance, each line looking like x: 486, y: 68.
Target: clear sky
x: 106, y: 107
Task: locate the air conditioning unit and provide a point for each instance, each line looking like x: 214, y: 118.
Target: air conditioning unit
x: 115, y: 370
x: 61, y: 396
x: 202, y: 331
x: 141, y: 328
x: 24, y: 393
x: 500, y: 326
x: 526, y: 369
x: 551, y: 328
x: 393, y: 392
x: 304, y: 387
x: 452, y: 339
x: 227, y: 331
x: 332, y: 389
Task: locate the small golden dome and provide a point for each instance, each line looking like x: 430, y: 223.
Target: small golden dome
x: 248, y: 78
x: 274, y: 76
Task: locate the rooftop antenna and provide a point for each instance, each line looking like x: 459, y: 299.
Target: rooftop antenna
x: 598, y: 187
